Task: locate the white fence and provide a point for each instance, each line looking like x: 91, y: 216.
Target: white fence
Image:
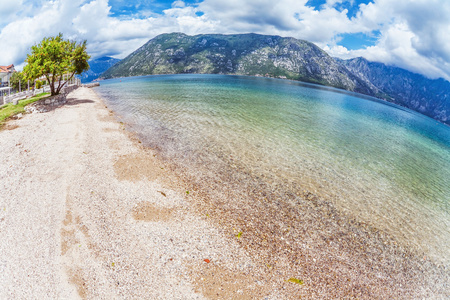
x: 30, y: 93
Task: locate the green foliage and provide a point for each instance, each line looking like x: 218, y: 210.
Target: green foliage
x: 16, y: 78
x: 55, y: 57
x: 39, y: 84
x: 10, y: 110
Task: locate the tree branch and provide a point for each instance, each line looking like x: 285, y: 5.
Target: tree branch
x: 61, y: 86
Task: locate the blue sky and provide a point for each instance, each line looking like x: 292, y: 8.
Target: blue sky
x: 352, y: 7
x: 125, y: 9
x: 411, y: 34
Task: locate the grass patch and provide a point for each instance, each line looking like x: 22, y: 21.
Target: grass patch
x: 9, y: 110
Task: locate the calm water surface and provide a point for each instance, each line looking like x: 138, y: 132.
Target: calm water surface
x: 384, y: 165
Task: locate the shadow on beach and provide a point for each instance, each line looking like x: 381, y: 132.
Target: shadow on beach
x: 75, y: 101
x: 40, y: 107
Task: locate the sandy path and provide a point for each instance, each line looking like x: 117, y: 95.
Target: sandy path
x: 33, y: 186
x: 84, y: 213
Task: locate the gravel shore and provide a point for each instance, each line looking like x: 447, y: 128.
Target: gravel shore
x: 83, y: 214
x: 87, y: 212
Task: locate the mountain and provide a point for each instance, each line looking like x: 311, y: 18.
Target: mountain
x: 240, y: 54
x: 275, y: 56
x: 97, y: 67
x: 414, y: 91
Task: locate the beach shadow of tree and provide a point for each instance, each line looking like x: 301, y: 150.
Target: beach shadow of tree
x: 74, y: 101
x: 44, y: 108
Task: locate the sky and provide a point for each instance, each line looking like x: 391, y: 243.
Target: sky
x: 410, y: 34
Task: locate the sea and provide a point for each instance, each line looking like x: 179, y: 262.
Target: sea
x: 376, y: 162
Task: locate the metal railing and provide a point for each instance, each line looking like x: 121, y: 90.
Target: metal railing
x: 32, y: 92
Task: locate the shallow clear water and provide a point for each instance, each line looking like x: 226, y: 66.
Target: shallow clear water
x: 384, y: 165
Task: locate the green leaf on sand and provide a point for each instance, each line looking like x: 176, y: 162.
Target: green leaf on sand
x: 295, y: 280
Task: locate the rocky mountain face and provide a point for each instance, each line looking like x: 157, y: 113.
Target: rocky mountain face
x: 274, y: 56
x: 242, y: 54
x: 414, y: 91
x: 97, y: 67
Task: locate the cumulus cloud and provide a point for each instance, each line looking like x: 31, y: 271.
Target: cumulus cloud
x: 395, y: 47
x: 17, y: 37
x: 11, y: 11
x: 412, y: 34
x: 178, y: 3
x: 91, y: 20
x: 284, y: 17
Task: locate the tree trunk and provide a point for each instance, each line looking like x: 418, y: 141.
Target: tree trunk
x: 52, y: 85
x: 61, y: 86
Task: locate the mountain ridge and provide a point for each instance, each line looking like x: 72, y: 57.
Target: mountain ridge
x: 430, y: 97
x: 97, y: 67
x: 239, y: 54
x: 288, y: 58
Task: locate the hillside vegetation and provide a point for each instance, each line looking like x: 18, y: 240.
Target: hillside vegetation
x: 280, y: 57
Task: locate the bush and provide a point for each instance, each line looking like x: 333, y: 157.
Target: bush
x: 16, y: 78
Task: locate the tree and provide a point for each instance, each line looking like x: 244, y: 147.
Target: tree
x: 17, y: 77
x: 54, y: 58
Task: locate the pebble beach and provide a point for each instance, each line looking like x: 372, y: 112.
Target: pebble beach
x: 88, y: 212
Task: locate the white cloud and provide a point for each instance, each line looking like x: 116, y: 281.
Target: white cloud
x: 80, y: 19
x: 395, y: 48
x: 178, y: 3
x: 8, y: 10
x: 414, y: 35
x: 283, y: 17
x: 13, y: 10
x: 17, y: 37
x: 331, y: 3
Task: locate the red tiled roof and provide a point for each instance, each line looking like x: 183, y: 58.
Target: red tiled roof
x: 6, y: 69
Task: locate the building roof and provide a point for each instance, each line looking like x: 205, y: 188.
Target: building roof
x: 7, y: 69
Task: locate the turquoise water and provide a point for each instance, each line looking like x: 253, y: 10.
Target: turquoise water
x: 385, y: 165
